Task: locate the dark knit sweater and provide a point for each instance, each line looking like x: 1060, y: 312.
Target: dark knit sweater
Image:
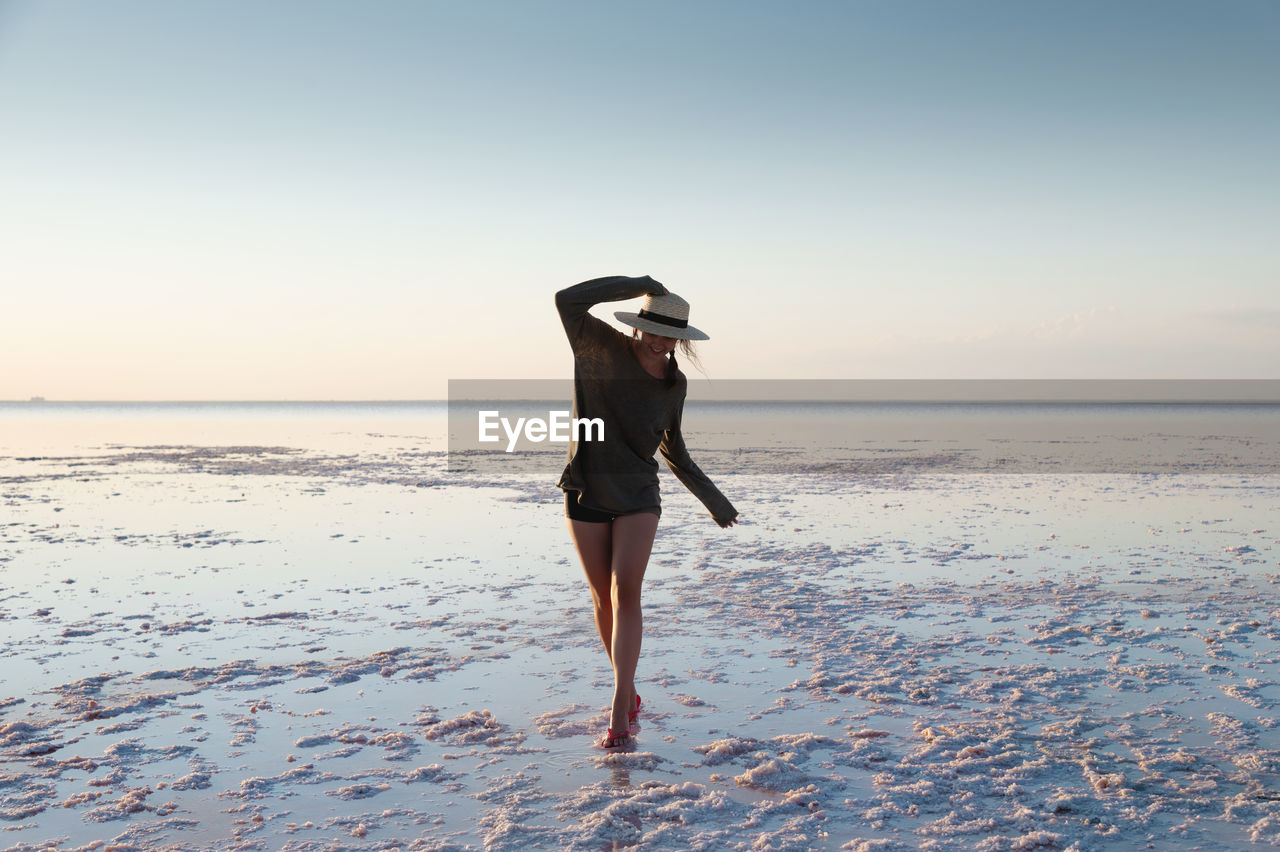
x: 641, y: 413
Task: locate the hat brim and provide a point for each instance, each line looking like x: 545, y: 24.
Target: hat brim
x: 635, y: 321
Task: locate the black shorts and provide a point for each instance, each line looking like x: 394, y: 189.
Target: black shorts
x: 577, y: 512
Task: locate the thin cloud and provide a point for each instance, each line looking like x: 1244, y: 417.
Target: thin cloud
x: 1243, y: 316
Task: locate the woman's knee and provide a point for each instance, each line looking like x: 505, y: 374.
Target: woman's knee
x: 601, y: 600
x: 625, y: 595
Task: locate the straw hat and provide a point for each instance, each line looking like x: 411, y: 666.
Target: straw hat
x: 667, y: 315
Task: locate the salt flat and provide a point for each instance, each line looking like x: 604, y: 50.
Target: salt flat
x: 266, y: 647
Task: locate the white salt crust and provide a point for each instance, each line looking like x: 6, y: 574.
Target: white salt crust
x: 942, y: 662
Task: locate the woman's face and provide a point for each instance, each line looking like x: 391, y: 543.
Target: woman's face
x: 657, y: 344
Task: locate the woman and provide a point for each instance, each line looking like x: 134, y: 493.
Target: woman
x: 635, y: 387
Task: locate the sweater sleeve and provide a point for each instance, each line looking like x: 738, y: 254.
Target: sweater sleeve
x: 677, y: 457
x: 574, y: 305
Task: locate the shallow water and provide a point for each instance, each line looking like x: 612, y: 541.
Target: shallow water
x: 213, y: 648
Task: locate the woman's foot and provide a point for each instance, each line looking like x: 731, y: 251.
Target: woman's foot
x: 623, y: 711
x: 616, y: 739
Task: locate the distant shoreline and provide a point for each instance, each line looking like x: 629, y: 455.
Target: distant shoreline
x: 409, y: 403
x: 802, y: 391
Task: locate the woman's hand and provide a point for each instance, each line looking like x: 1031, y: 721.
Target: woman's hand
x: 726, y: 523
x: 659, y: 289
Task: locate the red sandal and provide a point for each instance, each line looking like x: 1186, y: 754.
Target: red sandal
x: 631, y: 717
x: 614, y: 739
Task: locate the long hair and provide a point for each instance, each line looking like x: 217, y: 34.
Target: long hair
x: 686, y: 348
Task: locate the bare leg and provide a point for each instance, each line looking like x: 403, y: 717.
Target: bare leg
x: 595, y: 549
x: 632, y: 542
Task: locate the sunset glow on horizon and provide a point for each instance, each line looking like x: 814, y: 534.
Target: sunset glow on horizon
x: 342, y: 201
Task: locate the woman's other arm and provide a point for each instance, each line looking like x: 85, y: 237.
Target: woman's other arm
x: 691, y: 476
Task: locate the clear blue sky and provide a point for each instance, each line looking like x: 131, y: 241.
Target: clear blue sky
x: 325, y: 200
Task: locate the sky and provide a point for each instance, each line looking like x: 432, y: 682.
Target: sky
x: 316, y: 200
